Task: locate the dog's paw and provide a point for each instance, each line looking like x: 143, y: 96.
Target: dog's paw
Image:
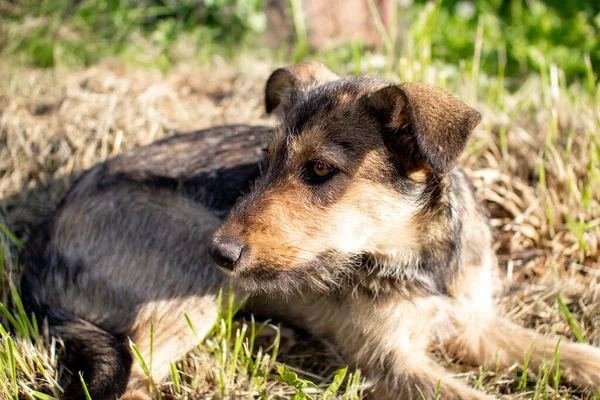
x: 136, y: 394
x: 580, y: 366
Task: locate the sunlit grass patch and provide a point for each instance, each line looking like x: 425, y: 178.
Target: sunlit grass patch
x: 27, y: 360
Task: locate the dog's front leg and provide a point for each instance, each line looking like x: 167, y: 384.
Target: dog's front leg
x: 417, y: 377
x: 491, y: 340
x: 388, y: 341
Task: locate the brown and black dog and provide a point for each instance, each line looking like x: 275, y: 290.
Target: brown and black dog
x: 359, y: 227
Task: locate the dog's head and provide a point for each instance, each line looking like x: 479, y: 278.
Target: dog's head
x: 354, y: 169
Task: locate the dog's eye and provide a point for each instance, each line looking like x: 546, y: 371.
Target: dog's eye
x: 321, y: 169
x: 318, y: 171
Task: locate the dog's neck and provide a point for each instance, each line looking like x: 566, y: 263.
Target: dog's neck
x: 430, y: 267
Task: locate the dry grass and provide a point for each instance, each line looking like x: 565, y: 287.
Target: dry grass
x: 534, y: 159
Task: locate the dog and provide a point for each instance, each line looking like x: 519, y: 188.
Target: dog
x: 358, y: 226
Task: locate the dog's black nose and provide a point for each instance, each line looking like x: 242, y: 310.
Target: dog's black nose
x: 226, y: 252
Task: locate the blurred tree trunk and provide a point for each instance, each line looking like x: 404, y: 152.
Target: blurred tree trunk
x: 328, y: 22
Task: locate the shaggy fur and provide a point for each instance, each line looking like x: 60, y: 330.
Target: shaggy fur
x: 388, y: 253
x: 391, y: 253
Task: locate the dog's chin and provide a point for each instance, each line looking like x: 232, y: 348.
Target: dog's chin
x: 325, y: 274
x: 269, y: 281
x: 274, y: 287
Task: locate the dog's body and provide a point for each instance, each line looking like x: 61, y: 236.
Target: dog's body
x: 126, y: 248
x: 360, y: 228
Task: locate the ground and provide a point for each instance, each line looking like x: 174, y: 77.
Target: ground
x: 534, y: 160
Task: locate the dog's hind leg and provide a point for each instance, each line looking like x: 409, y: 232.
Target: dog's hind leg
x: 498, y: 342
x: 163, y: 335
x: 116, y: 260
x: 416, y: 376
x: 388, y: 340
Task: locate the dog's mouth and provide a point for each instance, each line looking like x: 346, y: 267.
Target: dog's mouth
x: 325, y: 273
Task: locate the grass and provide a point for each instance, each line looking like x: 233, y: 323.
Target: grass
x: 534, y: 159
x: 520, y: 36
x: 64, y: 33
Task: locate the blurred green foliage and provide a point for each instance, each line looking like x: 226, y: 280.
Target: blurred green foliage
x: 83, y: 32
x: 516, y: 37
x: 524, y: 35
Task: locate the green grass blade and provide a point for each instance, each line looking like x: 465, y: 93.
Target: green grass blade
x: 175, y: 377
x: 144, y: 366
x: 85, y: 389
x: 523, y: 381
x: 298, y: 18
x: 421, y: 393
x: 13, y: 367
x: 44, y: 396
x: 11, y: 236
x: 571, y: 321
x: 556, y: 361
x: 438, y: 390
x: 335, y: 384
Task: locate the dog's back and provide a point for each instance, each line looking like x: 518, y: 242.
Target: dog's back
x: 115, y: 256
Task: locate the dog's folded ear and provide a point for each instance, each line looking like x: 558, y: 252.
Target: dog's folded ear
x: 284, y: 82
x: 439, y: 123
